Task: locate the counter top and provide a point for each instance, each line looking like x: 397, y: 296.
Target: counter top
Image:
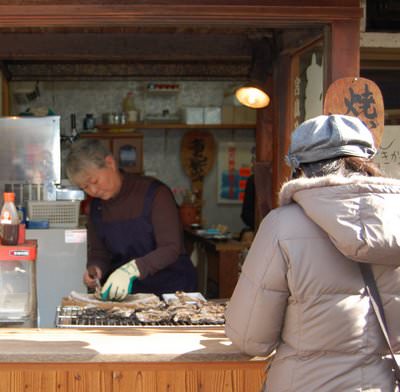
x: 136, y: 344
x: 218, y: 245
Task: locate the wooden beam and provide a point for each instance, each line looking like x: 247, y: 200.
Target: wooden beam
x: 342, y: 51
x: 308, y: 3
x: 215, y: 70
x: 5, y: 71
x: 283, y: 122
x: 263, y: 186
x: 95, y: 15
x: 265, y: 146
x: 124, y: 46
x: 5, y: 97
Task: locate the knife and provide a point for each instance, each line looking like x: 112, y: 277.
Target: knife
x: 97, y: 291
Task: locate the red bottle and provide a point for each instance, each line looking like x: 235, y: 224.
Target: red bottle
x: 9, y: 220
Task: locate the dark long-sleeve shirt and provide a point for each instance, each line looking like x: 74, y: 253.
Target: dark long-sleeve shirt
x: 129, y: 204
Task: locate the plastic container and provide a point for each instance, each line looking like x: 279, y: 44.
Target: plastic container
x: 9, y: 220
x: 128, y: 107
x: 212, y: 115
x: 18, y: 298
x: 193, y: 115
x: 64, y: 214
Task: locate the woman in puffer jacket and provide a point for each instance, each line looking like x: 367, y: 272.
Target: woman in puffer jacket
x: 301, y: 291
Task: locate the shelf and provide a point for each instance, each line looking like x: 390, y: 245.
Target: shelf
x: 103, y: 134
x: 134, y: 126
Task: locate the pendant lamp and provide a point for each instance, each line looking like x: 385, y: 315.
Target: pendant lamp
x: 253, y: 94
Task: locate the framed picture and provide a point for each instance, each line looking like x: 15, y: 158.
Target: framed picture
x: 235, y: 161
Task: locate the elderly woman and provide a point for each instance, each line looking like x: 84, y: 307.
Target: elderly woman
x: 135, y: 238
x: 301, y: 291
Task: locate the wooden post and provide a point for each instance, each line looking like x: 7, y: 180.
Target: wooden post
x: 342, y: 51
x: 5, y: 96
x: 265, y: 150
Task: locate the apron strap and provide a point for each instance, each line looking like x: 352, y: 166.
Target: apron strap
x: 95, y: 215
x: 148, y: 200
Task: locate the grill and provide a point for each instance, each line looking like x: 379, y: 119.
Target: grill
x: 80, y: 317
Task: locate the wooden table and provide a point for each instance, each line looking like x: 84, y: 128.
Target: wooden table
x: 221, y: 264
x: 125, y: 359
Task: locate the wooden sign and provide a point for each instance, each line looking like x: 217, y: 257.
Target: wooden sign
x: 360, y: 98
x: 197, y: 157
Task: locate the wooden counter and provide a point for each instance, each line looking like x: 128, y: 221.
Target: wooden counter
x: 125, y: 359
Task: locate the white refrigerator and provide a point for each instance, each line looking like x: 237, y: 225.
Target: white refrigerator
x: 60, y: 264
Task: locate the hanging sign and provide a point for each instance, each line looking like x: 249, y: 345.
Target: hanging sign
x: 360, y: 98
x: 197, y: 157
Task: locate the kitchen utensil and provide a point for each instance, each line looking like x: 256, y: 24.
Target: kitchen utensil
x: 97, y: 291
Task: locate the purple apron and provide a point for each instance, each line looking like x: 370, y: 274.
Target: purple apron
x: 134, y: 238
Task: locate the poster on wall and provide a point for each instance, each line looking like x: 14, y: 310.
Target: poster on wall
x: 235, y: 161
x: 388, y: 156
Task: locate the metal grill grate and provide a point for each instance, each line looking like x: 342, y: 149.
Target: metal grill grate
x: 78, y: 317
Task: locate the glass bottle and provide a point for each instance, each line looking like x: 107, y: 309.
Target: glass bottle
x: 128, y: 107
x: 74, y: 131
x: 9, y: 220
x: 89, y: 122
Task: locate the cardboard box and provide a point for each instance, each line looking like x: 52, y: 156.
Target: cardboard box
x: 212, y: 115
x: 193, y: 115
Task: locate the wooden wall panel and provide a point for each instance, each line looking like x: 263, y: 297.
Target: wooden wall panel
x: 320, y: 3
x: 111, y: 15
x: 128, y: 377
x: 5, y: 96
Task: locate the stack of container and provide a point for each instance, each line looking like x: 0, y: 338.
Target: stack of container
x: 18, y: 299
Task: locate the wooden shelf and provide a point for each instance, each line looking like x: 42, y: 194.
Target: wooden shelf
x: 106, y: 134
x: 131, y: 126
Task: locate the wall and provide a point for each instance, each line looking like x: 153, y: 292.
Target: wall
x: 161, y: 147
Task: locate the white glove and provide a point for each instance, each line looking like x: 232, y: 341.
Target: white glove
x: 119, y: 284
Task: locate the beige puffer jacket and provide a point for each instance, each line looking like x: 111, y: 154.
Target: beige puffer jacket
x: 301, y: 291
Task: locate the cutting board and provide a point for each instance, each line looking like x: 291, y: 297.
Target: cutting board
x: 358, y: 97
x: 197, y: 158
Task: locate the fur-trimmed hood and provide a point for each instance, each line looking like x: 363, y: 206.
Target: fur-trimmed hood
x: 361, y: 215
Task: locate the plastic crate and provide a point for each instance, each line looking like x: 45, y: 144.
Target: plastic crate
x: 57, y: 213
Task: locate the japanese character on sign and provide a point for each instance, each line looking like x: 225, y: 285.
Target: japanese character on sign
x: 362, y: 104
x: 198, y: 160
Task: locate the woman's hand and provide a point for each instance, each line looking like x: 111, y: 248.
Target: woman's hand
x: 91, y: 276
x: 119, y: 284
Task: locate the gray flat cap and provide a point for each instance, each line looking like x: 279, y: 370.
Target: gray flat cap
x: 326, y: 137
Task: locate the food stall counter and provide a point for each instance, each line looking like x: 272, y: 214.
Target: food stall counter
x: 112, y: 359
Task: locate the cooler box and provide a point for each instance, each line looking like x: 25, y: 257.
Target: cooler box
x: 18, y: 299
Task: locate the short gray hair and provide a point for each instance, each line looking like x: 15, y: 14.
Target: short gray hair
x: 84, y: 153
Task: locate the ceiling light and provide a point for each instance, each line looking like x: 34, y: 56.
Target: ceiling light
x: 254, y: 94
